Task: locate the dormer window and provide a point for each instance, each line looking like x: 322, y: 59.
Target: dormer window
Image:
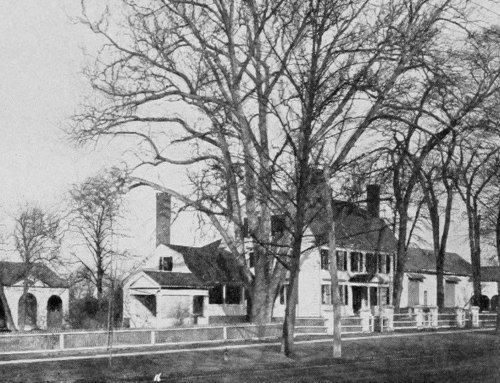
x: 166, y: 263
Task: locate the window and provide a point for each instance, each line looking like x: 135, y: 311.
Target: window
x: 413, y: 292
x: 388, y: 261
x: 325, y: 259
x: 233, y: 295
x: 326, y: 296
x: 283, y: 292
x: 381, y: 264
x: 344, y: 294
x: 342, y: 260
x: 384, y: 296
x: 277, y: 224
x: 373, y: 296
x: 449, y: 294
x: 198, y: 305
x: 166, y: 263
x: 215, y: 295
x: 251, y: 259
x: 356, y: 261
x: 371, y: 263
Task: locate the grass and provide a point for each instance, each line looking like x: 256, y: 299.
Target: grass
x: 452, y: 357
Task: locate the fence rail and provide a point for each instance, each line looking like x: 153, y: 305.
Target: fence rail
x: 74, y: 340
x: 130, y: 338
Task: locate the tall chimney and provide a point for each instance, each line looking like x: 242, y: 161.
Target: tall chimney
x: 373, y: 200
x: 163, y: 213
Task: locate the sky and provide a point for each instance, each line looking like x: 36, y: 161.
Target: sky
x: 41, y: 85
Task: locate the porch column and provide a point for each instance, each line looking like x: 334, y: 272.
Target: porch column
x: 368, y: 300
x: 350, y: 299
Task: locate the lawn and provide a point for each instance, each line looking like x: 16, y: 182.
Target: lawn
x: 452, y: 357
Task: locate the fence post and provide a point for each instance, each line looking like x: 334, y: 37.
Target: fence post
x: 388, y: 315
x: 61, y: 341
x: 224, y: 333
x: 153, y: 336
x: 365, y: 319
x: 475, y: 316
x: 460, y: 317
x: 434, y: 316
x: 419, y: 316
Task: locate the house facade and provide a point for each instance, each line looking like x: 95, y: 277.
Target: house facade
x: 47, y: 299
x: 365, y: 248
x: 420, y: 280
x: 180, y: 285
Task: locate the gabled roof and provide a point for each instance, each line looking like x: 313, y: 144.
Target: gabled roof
x: 13, y: 272
x: 354, y: 228
x: 176, y: 280
x: 211, y: 264
x: 423, y: 260
x: 490, y: 274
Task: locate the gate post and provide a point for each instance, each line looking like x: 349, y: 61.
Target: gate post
x: 434, y: 316
x: 419, y: 316
x: 388, y: 315
x: 365, y: 315
x: 460, y: 317
x: 475, y: 316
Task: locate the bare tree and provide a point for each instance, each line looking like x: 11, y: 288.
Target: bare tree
x: 37, y: 239
x: 267, y: 90
x: 457, y: 90
x: 96, y: 207
x: 474, y: 169
x: 436, y: 183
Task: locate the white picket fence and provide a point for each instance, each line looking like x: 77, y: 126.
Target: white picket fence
x: 134, y: 338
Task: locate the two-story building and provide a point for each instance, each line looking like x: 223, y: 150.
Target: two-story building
x: 365, y: 248
x: 179, y: 284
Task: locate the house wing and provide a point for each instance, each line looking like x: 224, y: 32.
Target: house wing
x: 422, y: 260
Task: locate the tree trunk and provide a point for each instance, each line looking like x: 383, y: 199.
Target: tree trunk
x: 291, y: 303
x: 497, y: 232
x: 475, y: 256
x: 400, y: 261
x: 6, y: 308
x: 261, y: 294
x: 22, y: 303
x: 260, y: 310
x: 337, y: 327
x: 442, y: 246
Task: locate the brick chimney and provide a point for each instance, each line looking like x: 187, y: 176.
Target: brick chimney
x: 373, y: 200
x: 163, y: 213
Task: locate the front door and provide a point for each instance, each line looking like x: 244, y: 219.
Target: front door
x: 359, y: 294
x: 198, y: 305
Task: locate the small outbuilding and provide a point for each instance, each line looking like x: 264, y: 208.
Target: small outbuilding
x: 47, y: 299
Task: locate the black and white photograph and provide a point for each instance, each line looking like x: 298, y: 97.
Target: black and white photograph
x: 249, y: 191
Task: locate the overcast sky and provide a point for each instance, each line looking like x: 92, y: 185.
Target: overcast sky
x: 41, y: 85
